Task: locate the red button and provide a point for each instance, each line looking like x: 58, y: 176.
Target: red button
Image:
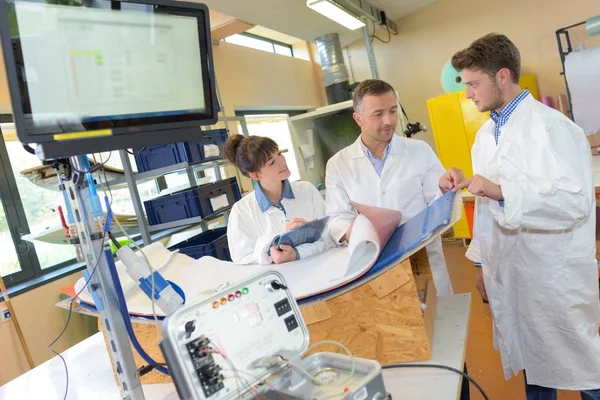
x: 231, y: 297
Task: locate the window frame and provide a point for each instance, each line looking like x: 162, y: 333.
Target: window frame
x: 264, y: 39
x: 17, y: 222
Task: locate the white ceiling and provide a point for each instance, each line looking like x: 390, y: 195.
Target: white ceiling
x: 294, y: 18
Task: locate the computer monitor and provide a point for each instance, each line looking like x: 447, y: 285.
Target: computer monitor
x: 94, y: 75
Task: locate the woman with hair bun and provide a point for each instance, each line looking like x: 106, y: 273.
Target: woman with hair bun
x: 275, y: 206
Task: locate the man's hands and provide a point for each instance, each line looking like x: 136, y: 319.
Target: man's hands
x: 480, y: 285
x: 294, y: 223
x: 480, y: 186
x: 286, y: 254
x: 452, y: 178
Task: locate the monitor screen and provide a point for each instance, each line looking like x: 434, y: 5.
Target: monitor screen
x: 107, y: 68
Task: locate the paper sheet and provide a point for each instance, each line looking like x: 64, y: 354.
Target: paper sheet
x: 582, y: 69
x: 337, y: 267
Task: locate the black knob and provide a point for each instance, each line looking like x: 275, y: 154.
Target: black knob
x: 190, y: 327
x: 276, y: 285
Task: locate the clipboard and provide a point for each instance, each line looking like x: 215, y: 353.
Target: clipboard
x: 310, y: 232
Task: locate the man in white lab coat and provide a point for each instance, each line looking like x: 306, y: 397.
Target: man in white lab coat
x: 385, y: 170
x: 534, y: 231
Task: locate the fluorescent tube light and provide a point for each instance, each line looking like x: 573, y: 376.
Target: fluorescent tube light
x: 334, y: 12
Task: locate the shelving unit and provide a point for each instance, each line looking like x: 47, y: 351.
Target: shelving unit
x: 332, y: 128
x: 132, y: 179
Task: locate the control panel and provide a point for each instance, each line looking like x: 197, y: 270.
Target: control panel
x: 215, y: 348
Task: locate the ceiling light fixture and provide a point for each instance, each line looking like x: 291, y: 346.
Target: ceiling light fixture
x: 335, y: 12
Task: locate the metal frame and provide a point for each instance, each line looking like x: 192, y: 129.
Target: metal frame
x: 560, y: 34
x: 97, y: 255
x: 135, y: 197
x: 370, y: 52
x: 16, y: 220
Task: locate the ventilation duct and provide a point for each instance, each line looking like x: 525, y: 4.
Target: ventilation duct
x: 335, y: 73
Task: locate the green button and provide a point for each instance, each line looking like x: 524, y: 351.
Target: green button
x: 245, y: 290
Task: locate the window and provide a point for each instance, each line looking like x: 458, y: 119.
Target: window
x: 40, y: 204
x: 18, y: 260
x: 260, y: 43
x: 9, y: 262
x: 275, y: 126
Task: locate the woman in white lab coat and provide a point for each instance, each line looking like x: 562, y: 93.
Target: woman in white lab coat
x: 275, y: 206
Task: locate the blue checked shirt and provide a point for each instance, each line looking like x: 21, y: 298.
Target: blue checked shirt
x: 502, y: 117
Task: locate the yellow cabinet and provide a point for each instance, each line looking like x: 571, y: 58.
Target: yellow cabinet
x: 455, y: 121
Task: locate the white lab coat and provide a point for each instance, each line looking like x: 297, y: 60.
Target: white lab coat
x: 250, y: 231
x: 538, y: 251
x: 408, y: 183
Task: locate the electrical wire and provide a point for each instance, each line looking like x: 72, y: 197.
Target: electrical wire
x: 126, y: 319
x: 236, y: 374
x: 107, y: 186
x: 373, y: 36
x: 69, y: 318
x: 46, y: 205
x: 244, y: 383
x: 260, y: 381
x: 137, y: 152
x: 438, y: 366
x: 95, y: 167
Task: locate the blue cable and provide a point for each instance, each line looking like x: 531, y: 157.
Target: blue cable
x: 125, y: 313
x: 109, y: 215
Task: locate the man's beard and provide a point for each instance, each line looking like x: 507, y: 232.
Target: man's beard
x: 497, y: 103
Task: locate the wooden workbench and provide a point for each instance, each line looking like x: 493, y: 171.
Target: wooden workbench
x: 91, y: 378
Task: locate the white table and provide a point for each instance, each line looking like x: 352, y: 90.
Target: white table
x: 91, y: 376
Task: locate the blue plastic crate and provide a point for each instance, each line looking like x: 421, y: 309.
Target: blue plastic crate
x: 208, y: 147
x: 199, y: 201
x: 210, y: 243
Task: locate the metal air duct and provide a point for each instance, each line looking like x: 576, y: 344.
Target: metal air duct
x: 335, y: 73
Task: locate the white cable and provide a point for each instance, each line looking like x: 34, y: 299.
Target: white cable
x: 268, y: 362
x: 132, y: 241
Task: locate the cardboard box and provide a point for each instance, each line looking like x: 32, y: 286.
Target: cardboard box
x: 594, y: 139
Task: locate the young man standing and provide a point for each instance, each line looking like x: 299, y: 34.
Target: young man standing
x: 534, y: 230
